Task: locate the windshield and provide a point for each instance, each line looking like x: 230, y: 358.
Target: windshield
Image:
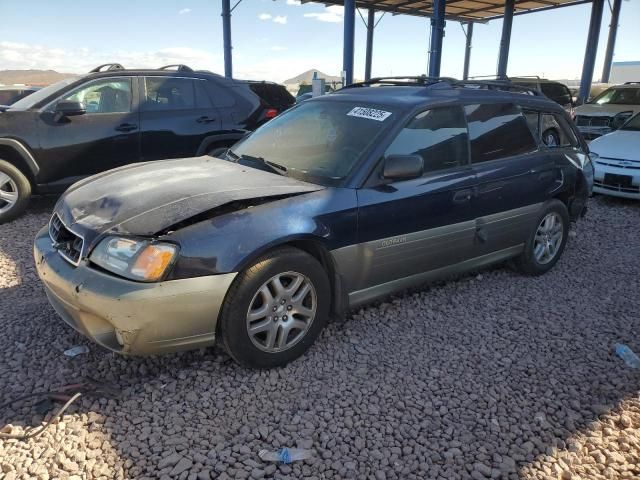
x: 618, y: 96
x: 319, y: 141
x: 34, y: 98
x: 633, y: 124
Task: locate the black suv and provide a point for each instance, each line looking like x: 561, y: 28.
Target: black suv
x: 112, y: 117
x: 10, y: 94
x: 340, y: 200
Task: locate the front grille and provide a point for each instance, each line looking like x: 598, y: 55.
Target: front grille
x: 619, y: 163
x: 617, y: 188
x: 585, y: 121
x: 68, y: 243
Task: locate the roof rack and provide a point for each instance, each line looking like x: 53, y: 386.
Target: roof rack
x: 631, y: 83
x: 405, y: 80
x: 502, y: 85
x: 107, y: 67
x: 179, y: 67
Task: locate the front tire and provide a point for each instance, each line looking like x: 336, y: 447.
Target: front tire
x: 275, y: 309
x: 547, y: 241
x: 15, y: 192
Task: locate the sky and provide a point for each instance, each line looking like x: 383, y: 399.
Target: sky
x: 278, y: 39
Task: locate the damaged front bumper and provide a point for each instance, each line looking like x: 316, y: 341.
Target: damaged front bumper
x: 131, y: 317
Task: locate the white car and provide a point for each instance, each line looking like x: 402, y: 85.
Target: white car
x: 617, y: 161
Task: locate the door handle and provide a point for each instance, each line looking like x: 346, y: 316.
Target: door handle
x: 126, y: 127
x: 462, y: 196
x: 205, y: 119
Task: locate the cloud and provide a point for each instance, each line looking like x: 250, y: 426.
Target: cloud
x: 264, y: 16
x: 184, y: 11
x: 332, y: 14
x: 294, y: 2
x: 281, y: 19
x: 279, y: 48
x: 20, y: 56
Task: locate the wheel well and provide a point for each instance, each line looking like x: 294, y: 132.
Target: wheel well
x: 320, y: 253
x: 14, y: 158
x: 563, y: 197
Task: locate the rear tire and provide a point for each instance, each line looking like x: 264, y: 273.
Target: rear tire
x: 15, y: 192
x: 275, y: 309
x: 547, y: 240
x: 551, y: 138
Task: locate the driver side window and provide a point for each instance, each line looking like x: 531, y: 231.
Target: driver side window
x: 104, y: 96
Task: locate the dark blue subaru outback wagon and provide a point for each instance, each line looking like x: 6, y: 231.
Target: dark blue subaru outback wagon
x: 342, y: 199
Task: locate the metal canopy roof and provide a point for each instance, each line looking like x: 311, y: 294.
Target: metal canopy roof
x: 463, y: 10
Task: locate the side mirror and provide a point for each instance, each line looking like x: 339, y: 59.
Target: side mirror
x: 403, y: 167
x: 69, y: 108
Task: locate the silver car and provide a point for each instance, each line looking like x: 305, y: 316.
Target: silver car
x: 609, y: 110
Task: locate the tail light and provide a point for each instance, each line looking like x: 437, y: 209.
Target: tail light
x: 270, y: 113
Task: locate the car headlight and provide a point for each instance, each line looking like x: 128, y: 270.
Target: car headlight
x: 136, y: 259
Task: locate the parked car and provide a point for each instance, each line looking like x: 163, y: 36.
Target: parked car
x: 276, y: 97
x: 112, y: 117
x: 609, y: 110
x: 342, y: 199
x: 556, y: 91
x: 617, y: 161
x: 10, y: 94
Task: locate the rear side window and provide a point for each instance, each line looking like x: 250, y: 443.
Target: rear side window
x: 220, y: 96
x: 168, y: 93
x: 438, y: 135
x: 497, y: 130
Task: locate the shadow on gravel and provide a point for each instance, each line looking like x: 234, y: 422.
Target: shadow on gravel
x: 479, y: 377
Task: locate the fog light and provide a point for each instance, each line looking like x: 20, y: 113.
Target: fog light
x: 119, y: 338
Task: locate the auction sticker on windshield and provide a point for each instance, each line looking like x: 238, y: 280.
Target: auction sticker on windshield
x: 370, y: 113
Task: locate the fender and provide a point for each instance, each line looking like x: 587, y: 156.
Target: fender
x: 23, y: 152
x: 224, y: 137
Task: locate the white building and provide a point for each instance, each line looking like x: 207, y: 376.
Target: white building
x: 622, y: 72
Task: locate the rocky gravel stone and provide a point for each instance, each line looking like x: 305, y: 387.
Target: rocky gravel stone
x: 489, y: 375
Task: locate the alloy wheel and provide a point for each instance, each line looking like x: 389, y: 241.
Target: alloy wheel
x: 281, y: 312
x: 548, y: 238
x: 8, y: 193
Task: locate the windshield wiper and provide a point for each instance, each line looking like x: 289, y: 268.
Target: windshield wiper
x: 273, y: 166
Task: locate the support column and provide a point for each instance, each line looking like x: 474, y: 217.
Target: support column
x: 611, y: 42
x: 348, y: 41
x: 467, y: 51
x: 368, y: 58
x: 590, y: 51
x: 437, y: 33
x: 226, y: 38
x: 505, y: 40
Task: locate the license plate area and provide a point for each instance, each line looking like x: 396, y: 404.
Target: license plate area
x: 615, y: 180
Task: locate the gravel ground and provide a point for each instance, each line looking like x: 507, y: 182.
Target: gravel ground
x: 493, y: 375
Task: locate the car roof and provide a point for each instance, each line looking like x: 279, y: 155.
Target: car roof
x: 410, y: 97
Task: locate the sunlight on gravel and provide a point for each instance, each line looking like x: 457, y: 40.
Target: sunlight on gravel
x: 492, y: 375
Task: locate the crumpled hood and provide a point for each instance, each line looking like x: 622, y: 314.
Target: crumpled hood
x: 605, y: 110
x: 621, y: 144
x: 145, y: 198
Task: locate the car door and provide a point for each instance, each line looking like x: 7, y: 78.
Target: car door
x: 409, y: 227
x: 513, y: 177
x: 176, y: 115
x: 106, y: 136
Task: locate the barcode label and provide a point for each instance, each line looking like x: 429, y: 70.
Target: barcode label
x: 370, y: 113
